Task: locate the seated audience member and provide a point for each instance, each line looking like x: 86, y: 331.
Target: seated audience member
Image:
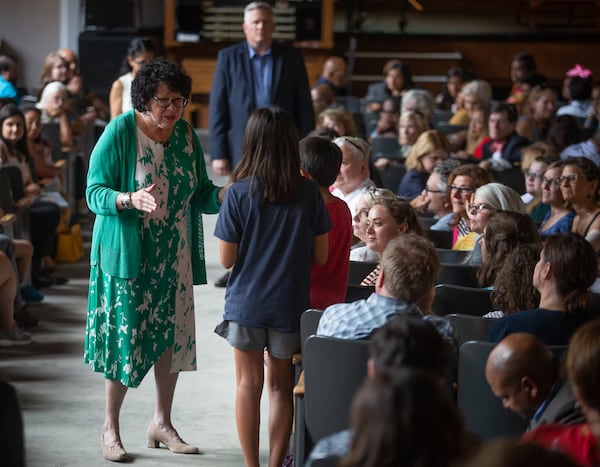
x: 522, y: 64
x: 141, y: 50
x: 339, y: 119
x: 8, y: 79
x: 418, y: 100
x: 564, y: 131
x: 334, y: 75
x: 504, y: 231
x: 589, y: 148
x: 462, y: 183
x: 397, y: 80
x: 512, y: 289
x: 10, y: 334
x: 428, y: 151
x: 405, y: 418
x: 513, y: 453
x: 503, y: 151
x: 320, y: 160
x: 487, y: 199
x: 538, y: 114
x: 360, y: 251
x: 50, y: 174
x: 55, y: 68
x: 592, y: 119
x: 403, y: 342
x: 560, y: 217
x: 401, y: 288
x: 434, y: 199
x: 566, y: 270
x: 388, y: 218
x: 53, y: 104
x: 474, y: 137
x: 535, y: 160
x: 580, y: 442
x: 527, y: 83
x: 322, y: 97
x: 446, y: 99
x: 579, y: 184
x: 354, y: 176
x: 476, y: 94
x: 44, y: 215
x: 524, y: 373
x: 410, y: 126
x: 387, y: 125
x: 580, y: 90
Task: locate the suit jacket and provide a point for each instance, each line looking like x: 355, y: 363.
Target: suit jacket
x: 563, y: 409
x: 511, y: 151
x: 232, y: 96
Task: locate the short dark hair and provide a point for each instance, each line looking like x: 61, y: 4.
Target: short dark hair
x: 410, y: 341
x: 580, y: 88
x: 157, y: 71
x: 583, y: 360
x: 5, y: 62
x: 320, y: 158
x: 501, y: 107
x: 526, y: 59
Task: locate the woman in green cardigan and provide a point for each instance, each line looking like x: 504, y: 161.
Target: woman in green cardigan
x: 147, y: 185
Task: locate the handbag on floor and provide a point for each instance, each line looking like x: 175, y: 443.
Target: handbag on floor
x: 69, y: 245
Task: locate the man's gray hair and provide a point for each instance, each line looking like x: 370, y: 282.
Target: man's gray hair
x: 256, y: 6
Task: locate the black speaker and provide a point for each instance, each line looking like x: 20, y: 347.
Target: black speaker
x: 100, y: 59
x: 110, y: 14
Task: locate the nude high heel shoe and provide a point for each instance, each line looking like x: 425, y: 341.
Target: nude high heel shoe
x: 173, y: 442
x: 114, y: 453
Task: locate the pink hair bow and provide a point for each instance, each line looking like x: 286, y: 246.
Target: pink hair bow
x: 579, y: 71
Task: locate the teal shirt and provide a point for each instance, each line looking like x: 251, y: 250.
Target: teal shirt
x: 116, y: 242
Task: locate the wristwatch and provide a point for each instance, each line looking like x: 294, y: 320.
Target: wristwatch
x: 126, y: 200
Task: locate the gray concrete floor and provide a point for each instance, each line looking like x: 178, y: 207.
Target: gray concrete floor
x: 62, y: 400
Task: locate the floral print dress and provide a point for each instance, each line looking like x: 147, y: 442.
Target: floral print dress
x: 132, y: 322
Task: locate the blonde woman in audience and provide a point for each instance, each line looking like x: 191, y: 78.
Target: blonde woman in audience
x: 339, y: 119
x: 579, y: 183
x: 387, y: 219
x: 410, y: 126
x: 560, y: 217
x: 428, y: 151
x: 469, y: 143
x: 360, y: 251
x: 539, y: 112
x: 55, y: 68
x: 462, y: 183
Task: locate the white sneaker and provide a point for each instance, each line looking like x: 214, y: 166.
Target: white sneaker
x: 14, y: 337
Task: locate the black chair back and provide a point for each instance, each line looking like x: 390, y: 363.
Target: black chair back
x: 358, y: 270
x: 15, y: 180
x: 309, y: 322
x: 458, y: 274
x: 440, y: 238
x: 455, y: 299
x: 471, y: 328
x: 452, y: 256
x: 358, y: 292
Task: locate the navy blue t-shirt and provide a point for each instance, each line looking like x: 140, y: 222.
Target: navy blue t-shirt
x: 552, y: 327
x: 269, y: 285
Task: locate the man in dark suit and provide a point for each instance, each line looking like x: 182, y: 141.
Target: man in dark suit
x: 523, y: 372
x: 253, y: 74
x: 504, y: 150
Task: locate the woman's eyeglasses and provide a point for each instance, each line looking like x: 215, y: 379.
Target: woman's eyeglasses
x: 462, y: 190
x: 552, y: 182
x: 474, y: 209
x: 439, y: 192
x: 534, y: 175
x: 166, y: 102
x: 572, y: 178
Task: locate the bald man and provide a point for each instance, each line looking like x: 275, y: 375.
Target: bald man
x: 523, y: 372
x: 334, y: 75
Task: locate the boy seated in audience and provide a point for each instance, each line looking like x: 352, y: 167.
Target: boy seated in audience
x: 409, y: 267
x: 580, y: 442
x: 320, y: 160
x: 523, y: 372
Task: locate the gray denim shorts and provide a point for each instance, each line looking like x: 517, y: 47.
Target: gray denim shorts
x: 278, y: 344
